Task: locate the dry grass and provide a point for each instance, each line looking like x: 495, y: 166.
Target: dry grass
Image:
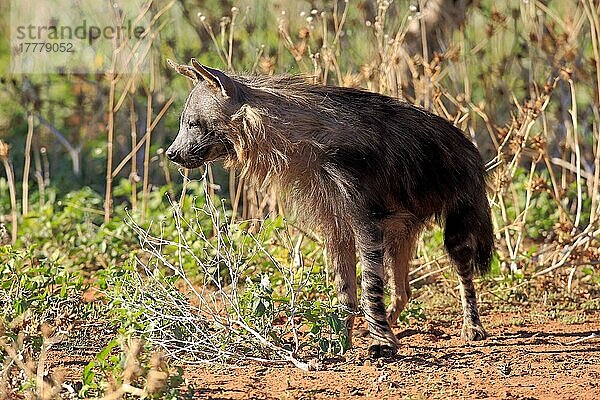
x: 522, y: 79
x: 545, y: 145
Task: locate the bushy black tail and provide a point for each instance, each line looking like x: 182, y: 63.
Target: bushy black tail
x: 484, y: 239
x: 469, y: 238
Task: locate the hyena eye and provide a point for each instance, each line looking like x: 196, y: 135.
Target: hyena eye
x: 194, y: 124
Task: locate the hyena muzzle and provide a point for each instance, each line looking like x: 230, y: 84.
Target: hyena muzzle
x: 368, y: 171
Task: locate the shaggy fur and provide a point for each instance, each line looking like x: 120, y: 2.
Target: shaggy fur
x: 365, y: 169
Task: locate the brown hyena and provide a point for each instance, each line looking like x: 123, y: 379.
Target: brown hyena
x: 366, y: 169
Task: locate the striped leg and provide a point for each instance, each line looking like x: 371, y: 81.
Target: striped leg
x: 369, y: 238
x: 472, y: 328
x: 461, y: 246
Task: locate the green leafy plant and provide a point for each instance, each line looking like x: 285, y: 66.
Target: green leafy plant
x: 256, y: 299
x: 39, y: 290
x: 412, y: 313
x: 126, y: 366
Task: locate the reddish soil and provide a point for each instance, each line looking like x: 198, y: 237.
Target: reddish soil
x: 529, y: 361
x: 530, y: 355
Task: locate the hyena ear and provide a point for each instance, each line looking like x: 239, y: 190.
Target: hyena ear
x: 215, y: 78
x: 184, y: 70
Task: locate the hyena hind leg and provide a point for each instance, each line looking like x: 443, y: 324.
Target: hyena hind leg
x: 399, y: 247
x: 341, y: 253
x: 468, y: 240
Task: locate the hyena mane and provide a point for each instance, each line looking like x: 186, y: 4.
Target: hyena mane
x: 365, y: 169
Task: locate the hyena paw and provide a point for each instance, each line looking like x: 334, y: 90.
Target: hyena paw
x: 392, y: 316
x: 472, y: 332
x: 395, y: 309
x: 379, y: 349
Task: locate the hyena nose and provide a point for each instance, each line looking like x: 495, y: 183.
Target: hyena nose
x: 173, y: 155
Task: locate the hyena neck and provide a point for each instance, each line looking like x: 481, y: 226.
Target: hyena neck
x: 274, y: 158
x: 271, y: 144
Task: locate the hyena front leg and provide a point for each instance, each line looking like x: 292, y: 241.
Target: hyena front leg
x: 341, y: 253
x: 399, y: 247
x: 369, y: 238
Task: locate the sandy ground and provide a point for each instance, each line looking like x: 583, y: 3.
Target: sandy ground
x: 544, y: 360
x: 529, y: 355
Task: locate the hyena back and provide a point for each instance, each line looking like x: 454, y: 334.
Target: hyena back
x: 365, y: 169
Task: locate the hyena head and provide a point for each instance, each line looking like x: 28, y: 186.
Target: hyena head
x: 206, y: 121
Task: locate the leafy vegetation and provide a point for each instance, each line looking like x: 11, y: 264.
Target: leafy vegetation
x: 166, y: 269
